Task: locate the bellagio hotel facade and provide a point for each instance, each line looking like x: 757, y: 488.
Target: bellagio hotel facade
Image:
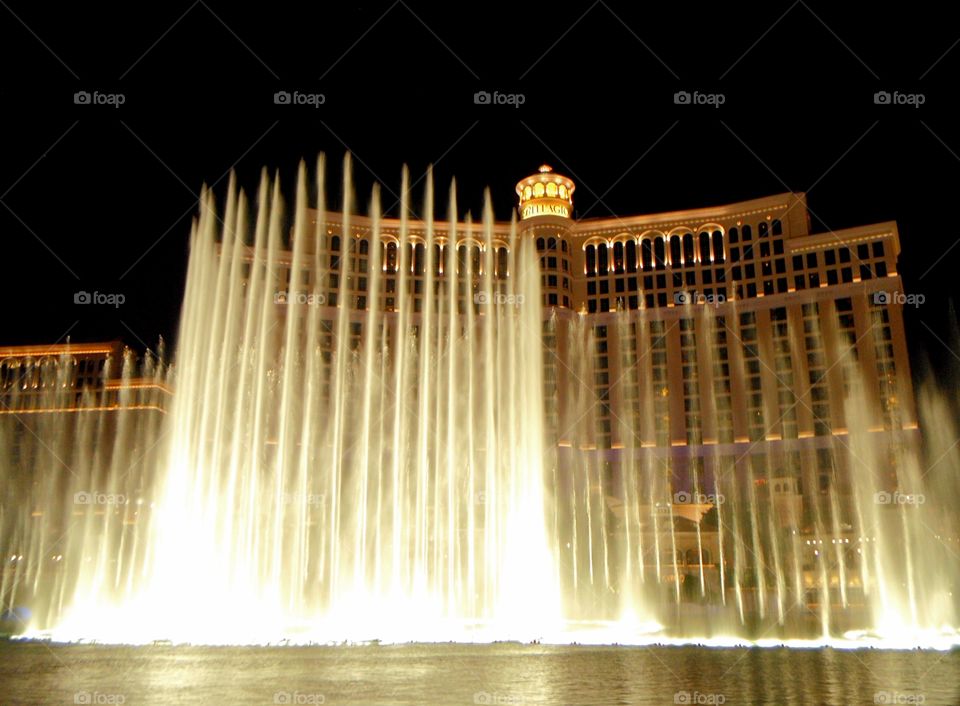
x: 712, y: 334
x: 703, y: 336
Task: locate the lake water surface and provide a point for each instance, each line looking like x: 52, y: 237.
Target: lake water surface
x: 41, y: 673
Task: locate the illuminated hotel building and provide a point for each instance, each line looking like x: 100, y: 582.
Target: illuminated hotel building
x: 75, y: 409
x: 74, y: 378
x: 711, y: 335
x: 699, y: 338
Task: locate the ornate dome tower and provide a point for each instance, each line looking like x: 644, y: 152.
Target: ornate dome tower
x: 546, y: 195
x: 546, y: 219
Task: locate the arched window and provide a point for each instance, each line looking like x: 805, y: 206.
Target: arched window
x: 718, y: 247
x: 551, y: 243
x: 631, y: 256
x: 747, y: 233
x: 704, y: 248
x: 335, y: 242
x: 475, y: 259
x: 777, y: 227
x: 646, y: 254
x: 540, y: 244
x: 502, y: 260
x: 688, y: 255
x: 591, y: 259
x: 618, y: 256
x: 462, y: 258
x: 364, y: 247
x: 675, y: 251
x: 419, y: 258
x: 602, y: 259
x: 390, y: 256
x: 659, y: 252
x: 563, y: 245
x: 734, y: 235
x: 763, y: 230
x: 438, y: 259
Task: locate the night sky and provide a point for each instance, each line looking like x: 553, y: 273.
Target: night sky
x: 99, y: 197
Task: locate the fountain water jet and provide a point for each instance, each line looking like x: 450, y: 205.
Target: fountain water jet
x: 347, y: 467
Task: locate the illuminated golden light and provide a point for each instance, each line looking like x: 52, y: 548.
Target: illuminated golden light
x: 56, y: 349
x: 62, y: 410
x: 545, y: 209
x: 121, y: 384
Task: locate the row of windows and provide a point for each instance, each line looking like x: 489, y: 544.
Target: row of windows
x: 789, y: 393
x: 35, y: 374
x: 625, y: 256
x: 698, y: 286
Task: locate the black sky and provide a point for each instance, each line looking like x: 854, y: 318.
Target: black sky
x: 100, y: 198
